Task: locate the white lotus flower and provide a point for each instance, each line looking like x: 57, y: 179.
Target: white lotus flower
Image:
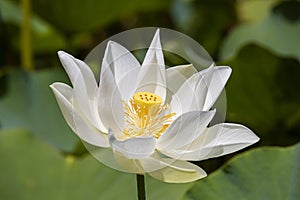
x: 132, y: 112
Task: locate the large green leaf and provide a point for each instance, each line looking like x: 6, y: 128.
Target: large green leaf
x: 264, y: 173
x: 249, y: 90
x: 29, y: 103
x: 204, y: 21
x: 78, y: 15
x: 254, y: 11
x: 261, y: 93
x: 30, y: 169
x: 275, y: 32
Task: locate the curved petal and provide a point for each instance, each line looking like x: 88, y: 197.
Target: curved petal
x: 110, y: 107
x: 218, y: 140
x: 184, y: 130
x: 154, y: 54
x: 121, y: 62
x: 84, y: 87
x: 217, y: 83
x: 80, y: 74
x: 174, y: 172
x: 191, y: 95
x: 133, y: 148
x: 201, y: 90
x: 176, y: 76
x: 152, y: 78
x: 114, y: 159
x: 63, y: 90
x: 131, y: 165
x: 127, y: 85
x: 75, y: 120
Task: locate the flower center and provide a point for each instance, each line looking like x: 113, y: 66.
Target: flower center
x: 145, y: 115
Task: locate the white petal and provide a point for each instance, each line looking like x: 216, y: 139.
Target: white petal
x: 75, y: 120
x: 114, y: 159
x: 126, y: 164
x: 154, y: 54
x: 218, y: 140
x: 69, y: 65
x: 219, y: 78
x: 184, y: 130
x: 152, y: 78
x: 127, y: 85
x: 175, y: 171
x: 85, y: 87
x: 133, y: 148
x: 194, y: 151
x: 189, y: 96
x: 121, y: 62
x: 63, y: 90
x: 176, y: 76
x: 201, y: 90
x: 79, y: 73
x: 230, y: 138
x: 110, y: 106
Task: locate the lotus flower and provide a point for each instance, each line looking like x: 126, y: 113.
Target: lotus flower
x: 152, y: 119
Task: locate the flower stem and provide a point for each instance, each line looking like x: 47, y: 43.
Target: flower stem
x: 140, y: 187
x: 26, y: 51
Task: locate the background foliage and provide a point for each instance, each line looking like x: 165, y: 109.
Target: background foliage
x: 40, y: 157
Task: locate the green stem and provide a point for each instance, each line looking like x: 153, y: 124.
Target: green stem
x: 141, y: 187
x: 26, y: 51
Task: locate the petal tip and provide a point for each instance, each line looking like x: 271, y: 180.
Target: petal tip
x: 61, y: 53
x: 156, y: 39
x: 228, y: 69
x: 64, y: 56
x: 110, y: 43
x: 53, y: 86
x: 157, y: 32
x: 255, y: 139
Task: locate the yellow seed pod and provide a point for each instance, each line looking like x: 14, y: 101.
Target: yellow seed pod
x: 146, y: 99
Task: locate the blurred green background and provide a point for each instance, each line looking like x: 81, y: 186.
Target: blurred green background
x: 40, y: 157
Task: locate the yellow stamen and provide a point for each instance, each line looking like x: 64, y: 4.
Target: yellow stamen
x: 144, y: 115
